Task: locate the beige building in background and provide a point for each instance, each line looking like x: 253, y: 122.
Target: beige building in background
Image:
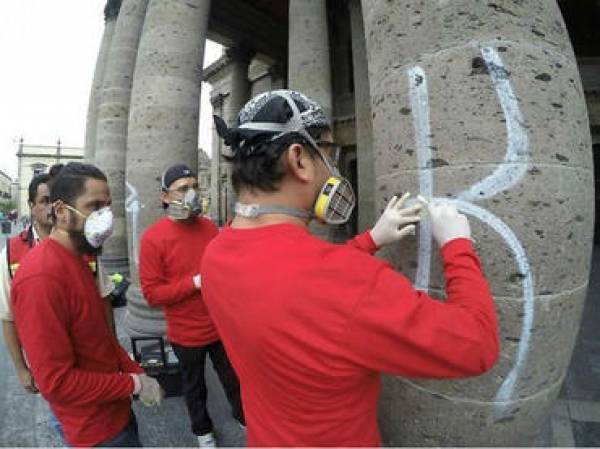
x: 36, y: 159
x: 5, y: 186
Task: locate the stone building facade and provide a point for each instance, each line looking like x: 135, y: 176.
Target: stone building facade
x: 36, y: 159
x: 5, y: 186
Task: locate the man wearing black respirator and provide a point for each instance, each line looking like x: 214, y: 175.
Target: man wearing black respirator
x: 170, y: 263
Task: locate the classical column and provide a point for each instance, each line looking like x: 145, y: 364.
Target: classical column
x: 239, y: 57
x: 111, y: 11
x: 309, y: 67
x: 163, y: 124
x: 480, y: 104
x: 364, y: 125
x: 112, y: 122
x: 215, y: 163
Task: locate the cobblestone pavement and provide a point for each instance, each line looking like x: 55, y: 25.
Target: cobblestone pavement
x: 575, y: 418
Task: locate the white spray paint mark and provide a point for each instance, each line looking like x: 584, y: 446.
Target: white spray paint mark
x: 132, y: 206
x: 419, y: 103
x: 517, y: 149
x: 506, y: 390
x: 504, y: 177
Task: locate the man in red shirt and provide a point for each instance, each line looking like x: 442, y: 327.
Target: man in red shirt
x: 170, y: 265
x: 10, y: 258
x: 309, y: 325
x: 76, y: 361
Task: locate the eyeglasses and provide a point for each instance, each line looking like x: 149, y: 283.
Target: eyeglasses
x: 333, y: 151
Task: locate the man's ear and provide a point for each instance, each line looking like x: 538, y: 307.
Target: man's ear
x: 60, y: 209
x: 299, y: 162
x: 163, y: 196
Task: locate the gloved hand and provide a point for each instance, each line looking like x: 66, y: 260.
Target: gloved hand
x: 197, y: 281
x: 149, y: 391
x: 395, y: 223
x: 447, y: 223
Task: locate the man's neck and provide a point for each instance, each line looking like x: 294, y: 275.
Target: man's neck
x: 291, y: 194
x: 64, y: 239
x: 42, y: 231
x: 185, y: 221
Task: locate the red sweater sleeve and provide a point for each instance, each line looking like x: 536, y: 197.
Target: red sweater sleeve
x: 363, y: 242
x: 158, y: 290
x: 128, y: 365
x: 42, y: 327
x: 403, y: 331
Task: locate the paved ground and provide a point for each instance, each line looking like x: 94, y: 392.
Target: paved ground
x: 575, y: 420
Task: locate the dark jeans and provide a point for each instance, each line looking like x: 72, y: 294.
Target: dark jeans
x: 128, y: 437
x: 191, y: 360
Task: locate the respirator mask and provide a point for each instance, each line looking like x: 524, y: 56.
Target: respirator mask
x: 336, y: 200
x: 98, y: 225
x: 188, y: 206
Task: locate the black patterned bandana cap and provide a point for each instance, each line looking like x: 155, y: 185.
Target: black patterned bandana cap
x: 270, y: 116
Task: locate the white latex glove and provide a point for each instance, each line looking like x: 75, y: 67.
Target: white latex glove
x: 447, y: 223
x: 197, y: 281
x: 396, y: 222
x: 148, y: 390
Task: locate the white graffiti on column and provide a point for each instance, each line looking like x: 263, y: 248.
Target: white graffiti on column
x: 132, y: 206
x: 503, y: 178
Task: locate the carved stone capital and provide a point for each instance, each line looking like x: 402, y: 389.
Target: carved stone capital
x: 217, y: 101
x: 240, y: 53
x: 111, y: 10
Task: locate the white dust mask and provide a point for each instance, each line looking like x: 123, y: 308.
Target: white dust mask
x: 99, y: 226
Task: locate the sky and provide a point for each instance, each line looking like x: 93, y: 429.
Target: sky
x: 48, y: 51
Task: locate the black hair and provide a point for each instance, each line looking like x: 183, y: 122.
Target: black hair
x: 69, y: 183
x: 53, y: 171
x: 32, y: 190
x: 264, y: 169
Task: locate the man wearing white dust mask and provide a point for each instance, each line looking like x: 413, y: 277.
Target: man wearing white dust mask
x: 170, y: 276
x: 10, y: 258
x: 310, y: 325
x: 76, y: 360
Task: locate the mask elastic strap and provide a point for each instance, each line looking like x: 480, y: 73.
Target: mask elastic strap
x: 254, y: 210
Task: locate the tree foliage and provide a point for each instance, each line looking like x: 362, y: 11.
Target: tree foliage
x: 7, y: 205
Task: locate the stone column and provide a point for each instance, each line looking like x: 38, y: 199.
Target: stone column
x: 239, y: 58
x: 309, y: 66
x: 481, y: 104
x: 113, y: 116
x: 110, y: 19
x: 364, y: 125
x: 215, y: 164
x: 163, y: 124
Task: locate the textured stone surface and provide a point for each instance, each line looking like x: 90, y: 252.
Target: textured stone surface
x: 308, y: 42
x: 92, y: 113
x: 112, y: 122
x: 548, y: 211
x: 417, y: 418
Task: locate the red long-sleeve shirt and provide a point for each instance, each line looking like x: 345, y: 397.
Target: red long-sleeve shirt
x: 309, y: 325
x: 170, y: 255
x: 78, y: 365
